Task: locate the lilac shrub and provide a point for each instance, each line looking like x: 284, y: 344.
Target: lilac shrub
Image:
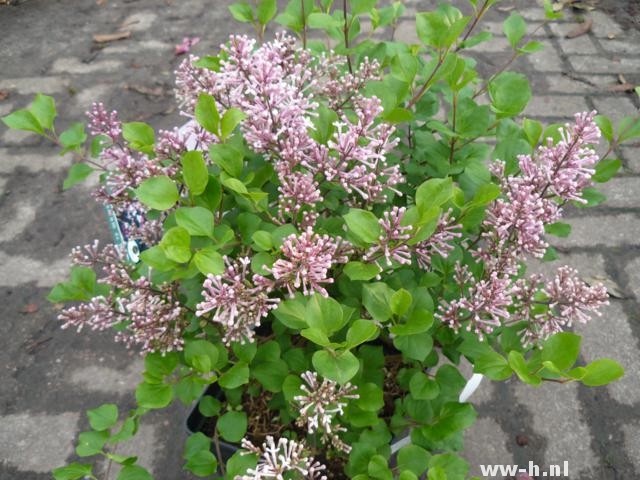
x: 324, y: 249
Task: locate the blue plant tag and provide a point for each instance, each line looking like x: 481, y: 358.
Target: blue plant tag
x: 118, y: 224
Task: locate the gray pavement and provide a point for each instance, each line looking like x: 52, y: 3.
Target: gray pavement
x: 49, y: 377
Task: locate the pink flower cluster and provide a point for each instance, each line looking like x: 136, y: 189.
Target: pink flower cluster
x: 238, y: 302
x: 514, y: 228
x: 307, y: 260
x: 319, y: 406
x: 285, y: 459
x: 126, y: 170
x: 274, y: 86
x: 569, y: 299
x: 393, y: 242
x: 515, y: 225
x: 152, y: 316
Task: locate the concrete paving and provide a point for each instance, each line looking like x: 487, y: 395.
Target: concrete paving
x: 49, y: 377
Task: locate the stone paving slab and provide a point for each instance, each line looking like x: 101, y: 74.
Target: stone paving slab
x: 49, y: 377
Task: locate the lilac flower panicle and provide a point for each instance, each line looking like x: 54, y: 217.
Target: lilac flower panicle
x: 319, y: 406
x: 238, y: 303
x: 440, y: 242
x: 282, y: 460
x: 274, y: 86
x: 308, y: 257
x: 514, y: 228
x: 570, y: 300
x: 392, y: 241
x: 297, y: 191
x: 102, y: 122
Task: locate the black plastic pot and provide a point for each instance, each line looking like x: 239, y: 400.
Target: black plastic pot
x: 196, y: 422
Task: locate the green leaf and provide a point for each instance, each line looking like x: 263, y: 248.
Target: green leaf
x: 232, y: 426
x: 23, y: 120
x: 73, y: 471
x: 340, y: 367
x: 370, y: 397
x: 363, y: 224
x: 558, y: 229
x: 242, y: 12
x: 103, y: 417
x: 212, y: 195
x: 196, y: 443
x: 291, y: 313
x: 73, y: 137
x: 154, y: 395
x: 239, y: 463
x: 209, y: 406
x: 195, y: 220
x: 400, y: 302
x: 202, y: 463
x: 605, y: 126
x: 227, y: 157
x: 160, y: 364
x: 323, y: 21
x: 453, y: 417
x: 134, y: 472
x: 515, y: 28
x: 606, y: 169
x: 361, y: 6
x: 43, y: 108
x: 379, y: 469
x: 77, y: 173
x: 415, y: 347
x: 194, y: 172
x: 404, y: 66
x: 324, y: 124
x: 266, y: 10
x: 208, y: 260
x: 454, y: 466
x: 434, y: 193
x: 159, y: 193
x: 233, y: 116
x: 485, y: 194
x: 262, y: 240
x: 91, y: 443
x: 139, y: 135
x: 82, y: 286
x: 156, y: 258
x: 602, y: 372
x: 271, y: 374
x: 532, y: 129
x: 234, y: 377
x: 531, y: 47
x: 493, y: 366
x: 361, y: 271
x: 437, y: 473
x: 510, y: 93
x: 628, y: 128
x: 592, y: 196
x: 207, y: 114
x: 361, y: 331
x: 324, y: 314
x: 440, y: 28
x: 422, y: 387
x: 376, y: 298
x: 235, y: 185
x: 413, y: 458
x: 519, y: 365
x: 201, y: 354
x: 419, y: 321
x: 176, y: 244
